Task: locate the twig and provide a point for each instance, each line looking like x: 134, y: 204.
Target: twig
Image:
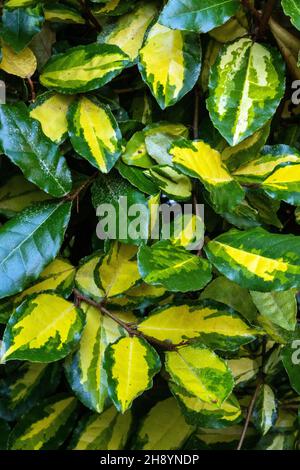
x: 131, y: 328
x: 249, y: 414
x: 32, y: 89
x: 72, y: 196
x: 248, y: 5
x: 89, y: 15
x: 266, y: 15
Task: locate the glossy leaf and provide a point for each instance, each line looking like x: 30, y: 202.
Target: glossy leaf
x: 22, y: 64
x: 20, y: 25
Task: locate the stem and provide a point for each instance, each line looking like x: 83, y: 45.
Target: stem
x: 249, y: 414
x: 89, y: 15
x: 32, y: 89
x: 248, y: 5
x: 266, y: 15
x: 131, y: 328
x: 196, y: 114
x: 72, y: 196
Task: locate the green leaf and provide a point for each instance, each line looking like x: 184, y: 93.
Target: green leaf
x: 229, y: 293
x: 108, y: 431
x: 173, y: 267
x: 94, y: 133
x: 46, y: 426
x: 171, y: 182
x: 84, y: 369
x: 170, y: 63
x: 211, y: 323
x: 207, y: 415
x: 199, y: 372
x: 129, y: 30
x: 292, y: 9
x: 246, y: 86
x: 200, y: 16
x: 17, y: 194
x: 29, y: 242
x: 137, y: 178
x: 199, y: 160
x: 256, y: 259
x: 83, y: 68
x: 265, y: 410
x: 130, y: 364
x: 291, y: 360
x: 278, y: 307
x: 51, y: 109
x: 20, y: 390
x: 44, y: 328
x: 21, y: 25
x: 39, y: 159
x: 171, y: 432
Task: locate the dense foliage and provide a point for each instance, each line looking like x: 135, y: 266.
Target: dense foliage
x: 135, y: 343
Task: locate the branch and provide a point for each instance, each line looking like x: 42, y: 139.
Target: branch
x: 248, y: 5
x: 32, y: 89
x: 72, y: 196
x: 249, y: 414
x: 89, y: 15
x: 266, y: 15
x: 131, y: 328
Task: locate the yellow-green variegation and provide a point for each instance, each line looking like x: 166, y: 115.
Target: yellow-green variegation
x: 94, y: 133
x: 83, y: 68
x: 246, y: 85
x: 170, y: 62
x: 130, y: 364
x: 257, y: 259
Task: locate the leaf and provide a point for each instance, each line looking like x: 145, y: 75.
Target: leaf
x: 169, y: 63
x: 171, y: 182
x: 23, y: 388
x: 84, y: 369
x: 29, y: 242
x: 137, y: 178
x: 21, y: 25
x: 41, y: 45
x: 173, y: 267
x: 130, y: 364
x: 207, y: 415
x: 22, y: 64
x: 244, y: 370
x: 46, y: 426
x: 279, y: 307
x: 128, y: 31
x: 17, y: 194
x: 108, y: 431
x: 171, y: 432
x: 270, y: 159
x: 199, y: 160
x: 117, y: 271
x: 57, y: 277
x: 44, y: 328
x: 227, y: 292
x: 200, y: 372
x: 256, y: 259
x: 62, y: 13
x: 292, y: 9
x: 199, y: 16
x: 246, y: 85
x: 84, y: 279
x: 265, y: 410
x: 39, y: 159
x: 291, y: 360
x: 208, y: 321
x: 94, y: 133
x: 83, y: 68
x: 50, y: 109
x: 114, y: 7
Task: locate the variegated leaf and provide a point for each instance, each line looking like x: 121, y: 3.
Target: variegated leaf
x: 265, y: 410
x: 85, y: 281
x: 198, y: 371
x: 279, y: 307
x: 113, y: 7
x: 83, y: 68
x: 208, y: 321
x: 22, y: 64
x: 44, y: 328
x: 62, y: 13
x: 257, y: 259
x: 108, y: 431
x: 50, y: 109
x: 46, y: 426
x: 170, y: 62
x: 246, y: 86
x: 130, y: 364
x: 199, y: 160
x: 171, y: 182
x: 94, y: 133
x: 173, y: 267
